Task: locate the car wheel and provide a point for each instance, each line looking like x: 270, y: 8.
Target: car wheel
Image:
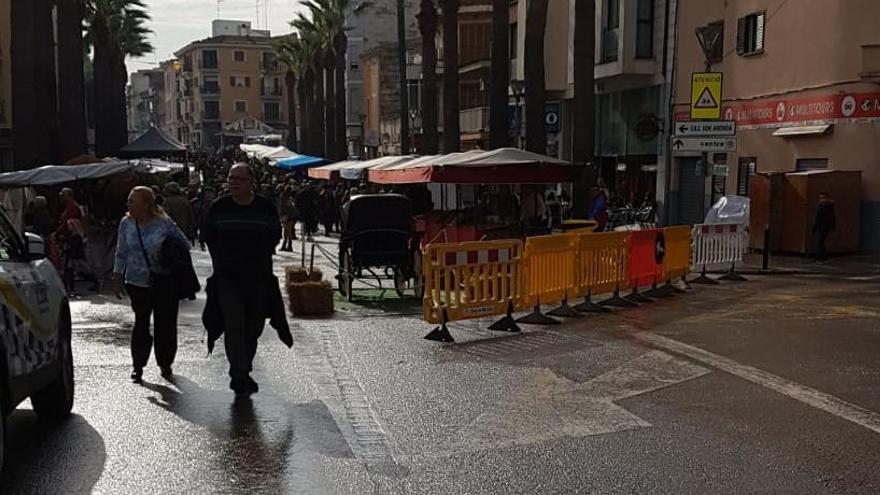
x: 56, y: 400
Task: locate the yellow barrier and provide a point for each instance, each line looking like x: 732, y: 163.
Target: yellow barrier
x: 602, y: 263
x: 549, y: 269
x: 677, y: 262
x: 470, y: 280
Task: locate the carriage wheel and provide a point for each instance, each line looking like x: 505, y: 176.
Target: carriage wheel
x: 401, y: 281
x: 418, y: 275
x: 346, y: 278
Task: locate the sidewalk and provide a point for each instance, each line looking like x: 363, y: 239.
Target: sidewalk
x: 859, y: 264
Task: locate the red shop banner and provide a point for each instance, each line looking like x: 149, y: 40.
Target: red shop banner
x: 813, y: 109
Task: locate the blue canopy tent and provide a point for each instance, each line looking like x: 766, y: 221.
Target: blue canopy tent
x: 298, y: 162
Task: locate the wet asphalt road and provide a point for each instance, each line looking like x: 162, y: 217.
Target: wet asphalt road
x: 766, y: 386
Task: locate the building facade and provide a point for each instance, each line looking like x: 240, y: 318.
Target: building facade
x: 223, y: 79
x: 381, y: 104
x: 801, y: 81
x: 5, y: 85
x: 146, y: 97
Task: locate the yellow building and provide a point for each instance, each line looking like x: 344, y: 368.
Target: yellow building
x: 223, y: 79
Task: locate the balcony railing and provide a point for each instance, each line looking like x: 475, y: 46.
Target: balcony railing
x: 210, y: 90
x: 207, y: 116
x: 272, y: 117
x: 270, y: 92
x: 270, y: 66
x: 208, y: 65
x: 474, y: 119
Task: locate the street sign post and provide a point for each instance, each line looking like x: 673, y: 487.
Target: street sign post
x: 704, y: 144
x: 705, y: 128
x: 706, y: 95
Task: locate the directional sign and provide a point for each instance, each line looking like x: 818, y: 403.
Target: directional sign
x: 705, y: 128
x: 707, y: 144
x: 706, y: 95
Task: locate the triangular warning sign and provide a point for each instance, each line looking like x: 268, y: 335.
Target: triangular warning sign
x: 706, y: 100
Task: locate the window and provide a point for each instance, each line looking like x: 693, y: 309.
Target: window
x: 239, y: 81
x: 212, y: 86
x: 238, y: 55
x: 747, y: 168
x: 804, y: 164
x: 270, y: 62
x: 212, y: 110
x: 610, y: 31
x: 247, y: 82
x: 645, y: 29
x: 241, y: 106
x: 271, y: 112
x: 209, y: 59
x: 750, y: 34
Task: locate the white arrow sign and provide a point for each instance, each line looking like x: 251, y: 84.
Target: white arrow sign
x: 708, y: 144
x: 705, y: 128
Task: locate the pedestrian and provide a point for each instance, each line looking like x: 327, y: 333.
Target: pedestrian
x: 242, y: 231
x: 201, y: 205
x: 178, y: 207
x: 151, y: 287
x: 824, y: 224
x: 287, y: 210
x: 306, y: 205
x: 599, y: 210
x: 39, y: 220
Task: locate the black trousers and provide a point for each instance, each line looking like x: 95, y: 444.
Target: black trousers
x: 159, y: 301
x: 244, y: 307
x: 821, y: 253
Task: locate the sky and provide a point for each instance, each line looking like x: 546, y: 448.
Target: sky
x: 176, y: 23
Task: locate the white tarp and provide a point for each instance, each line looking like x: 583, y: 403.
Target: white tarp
x: 271, y: 153
x: 730, y: 210
x: 49, y: 175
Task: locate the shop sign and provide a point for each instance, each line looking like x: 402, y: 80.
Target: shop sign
x: 551, y: 117
x: 812, y: 110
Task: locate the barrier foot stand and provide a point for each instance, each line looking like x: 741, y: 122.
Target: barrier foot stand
x: 618, y: 302
x: 679, y: 287
x: 704, y: 279
x: 635, y: 297
x: 588, y: 306
x: 564, y: 310
x: 507, y: 323
x: 661, y: 291
x: 441, y: 333
x: 537, y: 318
x: 732, y: 276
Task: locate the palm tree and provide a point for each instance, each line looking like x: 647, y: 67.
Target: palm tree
x: 428, y: 27
x: 451, y: 125
x: 290, y: 51
x: 498, y: 99
x: 313, y: 38
x: 584, y: 100
x: 116, y: 29
x: 71, y: 85
x: 536, y: 25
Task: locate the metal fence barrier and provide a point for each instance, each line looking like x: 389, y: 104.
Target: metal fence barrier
x: 718, y: 244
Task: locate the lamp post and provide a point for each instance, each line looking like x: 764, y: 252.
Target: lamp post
x: 414, y: 114
x: 518, y: 90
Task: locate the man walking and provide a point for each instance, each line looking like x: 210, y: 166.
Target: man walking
x: 825, y: 223
x: 242, y: 230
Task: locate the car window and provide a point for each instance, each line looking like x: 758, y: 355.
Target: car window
x: 11, y: 246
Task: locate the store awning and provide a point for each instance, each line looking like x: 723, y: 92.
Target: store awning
x: 805, y: 130
x: 295, y: 162
x: 499, y: 166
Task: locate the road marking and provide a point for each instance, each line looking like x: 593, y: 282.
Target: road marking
x: 810, y: 396
x: 551, y: 407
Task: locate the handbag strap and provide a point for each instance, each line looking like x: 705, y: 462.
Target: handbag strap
x: 143, y: 249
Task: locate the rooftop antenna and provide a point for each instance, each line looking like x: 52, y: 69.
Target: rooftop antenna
x: 257, y: 8
x: 218, y: 8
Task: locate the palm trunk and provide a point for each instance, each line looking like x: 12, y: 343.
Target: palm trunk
x: 451, y: 125
x: 401, y: 74
x: 320, y: 139
x: 428, y: 27
x: 290, y: 91
x: 584, y: 103
x: 103, y: 67
x: 536, y: 25
x: 341, y: 45
x: 498, y: 102
x: 330, y: 105
x: 72, y: 104
x: 120, y: 114
x: 309, y: 134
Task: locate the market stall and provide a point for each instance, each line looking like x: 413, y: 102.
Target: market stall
x: 355, y: 169
x: 154, y: 143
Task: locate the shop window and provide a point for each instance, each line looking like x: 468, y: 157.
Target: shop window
x: 750, y: 34
x: 747, y: 168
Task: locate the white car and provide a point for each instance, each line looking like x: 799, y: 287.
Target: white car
x: 35, y: 330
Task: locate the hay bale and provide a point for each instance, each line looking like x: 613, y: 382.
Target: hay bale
x: 316, y: 275
x: 294, y: 274
x: 310, y: 298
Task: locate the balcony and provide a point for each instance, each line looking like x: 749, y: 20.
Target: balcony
x: 208, y: 65
x: 270, y: 66
x: 210, y: 89
x: 474, y: 120
x: 210, y: 116
x: 270, y: 93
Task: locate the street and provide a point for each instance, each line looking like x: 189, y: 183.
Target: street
x: 764, y: 386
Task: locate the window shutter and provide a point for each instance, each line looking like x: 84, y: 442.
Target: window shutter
x: 759, y: 32
x: 741, y: 35
x: 232, y: 81
x: 247, y: 82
